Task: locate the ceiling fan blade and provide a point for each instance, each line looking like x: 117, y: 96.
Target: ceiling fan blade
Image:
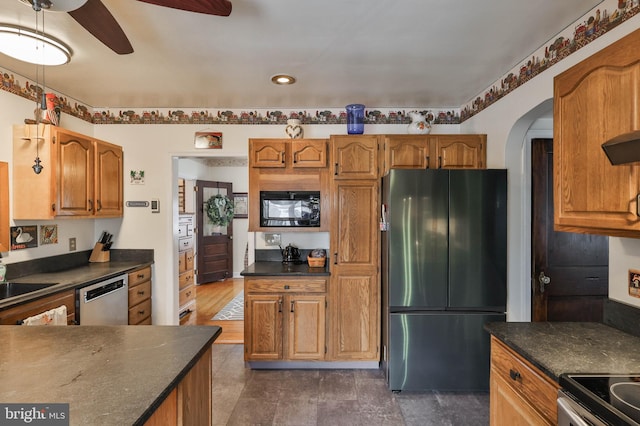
x: 96, y: 18
x: 209, y: 7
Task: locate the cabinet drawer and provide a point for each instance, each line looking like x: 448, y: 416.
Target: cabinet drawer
x: 276, y: 285
x: 139, y: 276
x: 139, y: 293
x: 189, y: 259
x: 185, y: 243
x: 182, y: 261
x: 187, y: 295
x: 185, y: 279
x: 140, y: 312
x: 536, y: 388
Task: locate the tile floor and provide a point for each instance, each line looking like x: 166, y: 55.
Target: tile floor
x: 242, y: 396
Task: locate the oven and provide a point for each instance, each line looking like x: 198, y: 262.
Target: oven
x: 596, y: 400
x: 104, y: 303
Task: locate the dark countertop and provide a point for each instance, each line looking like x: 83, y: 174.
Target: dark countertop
x: 273, y: 268
x: 109, y: 375
x: 72, y: 278
x: 571, y: 347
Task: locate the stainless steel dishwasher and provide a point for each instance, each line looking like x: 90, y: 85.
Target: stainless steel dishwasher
x: 104, y: 303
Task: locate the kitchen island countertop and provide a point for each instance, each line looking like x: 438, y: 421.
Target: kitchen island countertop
x: 571, y: 347
x: 274, y: 268
x: 109, y: 375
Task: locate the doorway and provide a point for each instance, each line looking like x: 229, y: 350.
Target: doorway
x: 570, y: 272
x: 215, y: 243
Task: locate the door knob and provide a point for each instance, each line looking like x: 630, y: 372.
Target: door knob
x: 543, y: 280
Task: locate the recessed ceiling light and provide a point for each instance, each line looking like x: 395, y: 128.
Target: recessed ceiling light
x: 283, y: 79
x: 29, y: 46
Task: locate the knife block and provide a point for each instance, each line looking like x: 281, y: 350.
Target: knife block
x: 99, y: 255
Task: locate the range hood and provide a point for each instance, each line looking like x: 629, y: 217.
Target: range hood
x: 623, y: 149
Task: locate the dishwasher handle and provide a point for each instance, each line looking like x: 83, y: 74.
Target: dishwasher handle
x: 103, y: 290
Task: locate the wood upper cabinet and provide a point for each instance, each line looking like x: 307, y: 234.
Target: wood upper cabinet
x: 355, y: 156
x: 520, y: 394
x: 80, y: 176
x: 284, y: 153
x: 595, y: 100
x: 284, y: 319
x: 459, y: 151
x: 435, y: 151
x: 108, y: 179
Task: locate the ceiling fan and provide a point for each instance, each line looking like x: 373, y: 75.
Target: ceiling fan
x: 96, y: 18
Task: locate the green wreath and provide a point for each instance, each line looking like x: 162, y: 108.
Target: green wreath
x: 219, y: 209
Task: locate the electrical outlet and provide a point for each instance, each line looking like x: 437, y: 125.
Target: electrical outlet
x: 272, y: 239
x: 72, y: 244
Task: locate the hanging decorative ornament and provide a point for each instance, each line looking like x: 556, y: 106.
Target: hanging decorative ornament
x: 37, y: 168
x: 293, y: 129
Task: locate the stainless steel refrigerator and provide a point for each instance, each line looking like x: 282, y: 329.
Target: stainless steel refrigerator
x: 444, y: 263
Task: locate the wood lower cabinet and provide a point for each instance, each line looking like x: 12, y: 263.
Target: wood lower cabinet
x: 594, y: 101
x: 82, y: 177
x: 285, y: 318
x: 521, y: 395
x: 466, y: 151
x: 16, y: 314
x: 140, y: 297
x: 190, y: 402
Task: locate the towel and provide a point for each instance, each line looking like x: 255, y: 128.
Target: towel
x: 57, y: 316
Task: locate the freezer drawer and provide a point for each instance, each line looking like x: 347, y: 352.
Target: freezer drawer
x: 439, y: 351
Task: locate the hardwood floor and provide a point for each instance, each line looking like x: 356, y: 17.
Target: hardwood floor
x: 210, y: 299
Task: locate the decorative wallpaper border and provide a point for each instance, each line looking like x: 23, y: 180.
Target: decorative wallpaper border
x: 590, y: 26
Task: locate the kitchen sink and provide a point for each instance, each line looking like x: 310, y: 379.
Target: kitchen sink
x: 12, y: 289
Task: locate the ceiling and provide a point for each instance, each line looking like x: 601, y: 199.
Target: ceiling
x: 424, y: 53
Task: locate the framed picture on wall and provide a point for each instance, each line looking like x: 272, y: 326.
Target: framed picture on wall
x: 240, y: 205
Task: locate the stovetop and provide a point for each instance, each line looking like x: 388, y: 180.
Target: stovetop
x: 593, y: 391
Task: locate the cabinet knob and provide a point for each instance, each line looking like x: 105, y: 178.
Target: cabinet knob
x: 514, y: 375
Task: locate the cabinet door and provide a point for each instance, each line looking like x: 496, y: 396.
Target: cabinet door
x: 76, y: 171
x: 354, y: 233
x: 108, y: 182
x: 306, y: 326
x: 354, y: 301
x: 406, y: 152
x: 459, y: 151
x: 594, y: 101
x: 308, y: 153
x: 355, y: 156
x: 267, y: 153
x: 263, y: 327
x: 507, y: 407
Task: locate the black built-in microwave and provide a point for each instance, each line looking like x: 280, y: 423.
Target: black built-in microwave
x: 290, y: 209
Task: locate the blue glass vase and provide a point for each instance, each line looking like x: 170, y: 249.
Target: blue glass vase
x: 355, y: 119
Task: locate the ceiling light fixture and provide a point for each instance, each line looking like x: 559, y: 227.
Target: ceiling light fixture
x: 283, y: 79
x: 54, y: 5
x: 33, y: 47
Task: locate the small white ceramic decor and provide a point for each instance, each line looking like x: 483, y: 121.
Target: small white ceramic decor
x: 293, y: 129
x: 419, y: 124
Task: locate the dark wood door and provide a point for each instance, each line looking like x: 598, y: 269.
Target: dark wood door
x: 215, y: 244
x: 570, y: 271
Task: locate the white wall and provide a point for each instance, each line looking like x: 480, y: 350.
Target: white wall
x: 507, y: 124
